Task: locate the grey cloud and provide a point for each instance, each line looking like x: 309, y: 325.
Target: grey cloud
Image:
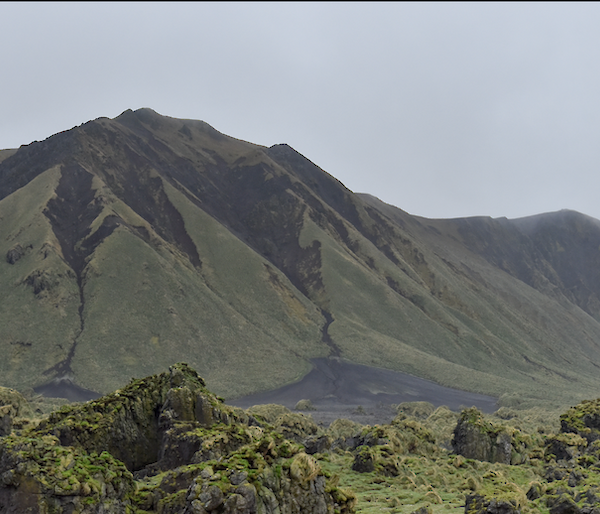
x: 441, y: 109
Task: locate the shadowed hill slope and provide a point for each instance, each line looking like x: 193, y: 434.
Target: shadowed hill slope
x: 135, y: 242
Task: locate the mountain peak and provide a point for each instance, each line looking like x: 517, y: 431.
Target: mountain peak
x: 145, y: 240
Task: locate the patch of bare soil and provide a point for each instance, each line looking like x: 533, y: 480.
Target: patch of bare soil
x: 65, y: 388
x: 341, y: 389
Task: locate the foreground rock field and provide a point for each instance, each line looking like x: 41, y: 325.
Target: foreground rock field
x: 165, y: 444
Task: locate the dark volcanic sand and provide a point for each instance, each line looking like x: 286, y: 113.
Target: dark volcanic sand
x: 64, y: 388
x: 337, y: 388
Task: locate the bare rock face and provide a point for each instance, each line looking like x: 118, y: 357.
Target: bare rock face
x: 212, y: 457
x: 476, y: 438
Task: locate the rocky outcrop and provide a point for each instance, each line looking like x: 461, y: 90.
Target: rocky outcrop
x: 578, y: 441
x: 476, y: 438
x: 162, y: 444
x: 297, y: 486
x: 317, y: 444
x: 294, y: 426
x: 363, y: 460
x: 304, y: 405
x: 477, y: 504
x: 15, y: 253
x: 379, y: 448
x: 12, y: 404
x: 419, y: 410
x: 39, y: 475
x: 568, y: 461
x: 130, y: 423
x: 583, y: 419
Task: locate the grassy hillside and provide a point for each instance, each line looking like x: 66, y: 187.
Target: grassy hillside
x: 39, y: 301
x: 135, y: 242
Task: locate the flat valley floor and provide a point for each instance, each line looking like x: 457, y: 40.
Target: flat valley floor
x: 341, y: 389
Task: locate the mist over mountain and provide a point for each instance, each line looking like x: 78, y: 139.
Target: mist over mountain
x: 137, y: 242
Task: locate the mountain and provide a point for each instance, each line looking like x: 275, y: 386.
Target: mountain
x: 136, y: 242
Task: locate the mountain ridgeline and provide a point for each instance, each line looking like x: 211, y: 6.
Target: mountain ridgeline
x: 136, y: 242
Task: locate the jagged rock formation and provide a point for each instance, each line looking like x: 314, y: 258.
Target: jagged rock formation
x: 583, y: 420
x: 211, y: 457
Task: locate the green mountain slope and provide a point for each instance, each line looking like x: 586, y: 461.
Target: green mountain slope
x: 136, y: 242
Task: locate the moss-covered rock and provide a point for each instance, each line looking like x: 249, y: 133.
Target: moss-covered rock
x: 131, y: 422
x: 267, y: 475
x: 304, y: 405
x: 12, y: 405
x: 343, y: 433
x: 419, y: 410
x: 578, y: 442
x: 39, y: 474
x: 189, y: 453
x: 477, y: 504
x: 477, y: 438
x: 316, y: 444
x: 364, y: 461
x: 11, y: 397
x: 268, y: 412
x: 295, y: 426
x: 583, y: 419
x: 565, y: 446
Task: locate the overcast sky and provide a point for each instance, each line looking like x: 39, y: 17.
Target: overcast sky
x: 444, y: 110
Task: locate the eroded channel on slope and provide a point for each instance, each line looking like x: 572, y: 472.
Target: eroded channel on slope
x: 71, y: 213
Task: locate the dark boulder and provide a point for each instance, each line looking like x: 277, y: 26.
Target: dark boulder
x: 476, y: 438
x: 363, y: 460
x: 317, y: 444
x: 14, y: 254
x: 477, y: 504
x: 562, y: 504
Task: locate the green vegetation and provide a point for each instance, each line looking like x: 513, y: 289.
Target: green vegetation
x: 191, y: 245
x: 41, y: 466
x: 164, y: 442
x: 33, y: 346
x: 183, y: 443
x: 412, y: 472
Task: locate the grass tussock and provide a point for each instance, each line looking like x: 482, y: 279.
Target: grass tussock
x: 428, y: 475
